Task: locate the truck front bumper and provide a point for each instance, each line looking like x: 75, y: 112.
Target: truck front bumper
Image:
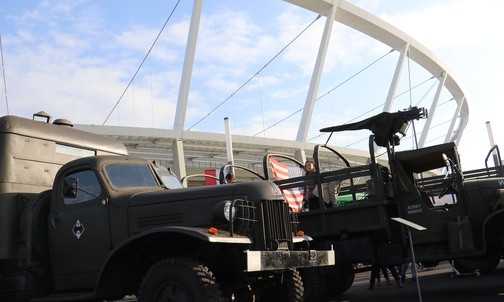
x: 278, y: 260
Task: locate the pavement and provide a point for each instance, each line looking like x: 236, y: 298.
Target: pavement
x: 439, y: 284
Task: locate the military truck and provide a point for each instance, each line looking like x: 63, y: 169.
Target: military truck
x: 462, y: 211
x: 81, y: 220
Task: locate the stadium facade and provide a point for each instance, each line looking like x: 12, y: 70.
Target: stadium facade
x: 190, y: 152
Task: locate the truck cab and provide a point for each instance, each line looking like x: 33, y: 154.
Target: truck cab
x: 461, y: 210
x: 32, y: 152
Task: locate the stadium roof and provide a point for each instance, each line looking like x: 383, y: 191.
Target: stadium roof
x: 205, y: 150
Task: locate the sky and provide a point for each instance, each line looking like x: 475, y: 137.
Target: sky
x: 253, y: 64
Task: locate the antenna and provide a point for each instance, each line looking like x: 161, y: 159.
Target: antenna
x: 3, y: 73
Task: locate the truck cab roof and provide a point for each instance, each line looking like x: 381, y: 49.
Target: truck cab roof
x: 428, y: 158
x: 60, y: 133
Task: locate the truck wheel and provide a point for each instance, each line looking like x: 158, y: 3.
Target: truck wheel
x: 286, y: 287
x: 313, y: 283
x: 244, y: 294
x: 469, y: 266
x: 338, y: 280
x: 179, y: 279
x: 338, y: 284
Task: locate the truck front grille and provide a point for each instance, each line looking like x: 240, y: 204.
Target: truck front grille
x: 275, y: 225
x: 269, y: 223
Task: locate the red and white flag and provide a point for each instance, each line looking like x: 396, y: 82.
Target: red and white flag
x: 293, y: 196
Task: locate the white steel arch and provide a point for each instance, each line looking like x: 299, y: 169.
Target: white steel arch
x: 365, y: 22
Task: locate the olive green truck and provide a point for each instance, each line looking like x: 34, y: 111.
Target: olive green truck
x: 419, y: 198
x: 81, y: 220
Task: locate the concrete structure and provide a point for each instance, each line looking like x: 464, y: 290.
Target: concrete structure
x: 361, y: 20
x: 204, y: 150
x: 197, y: 151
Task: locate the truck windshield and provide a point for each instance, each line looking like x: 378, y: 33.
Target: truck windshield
x: 130, y: 176
x: 169, y: 180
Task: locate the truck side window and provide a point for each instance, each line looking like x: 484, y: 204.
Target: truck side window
x: 89, y: 187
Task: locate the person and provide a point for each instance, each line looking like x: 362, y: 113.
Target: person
x: 404, y: 269
x: 230, y: 178
x: 310, y: 200
x: 385, y: 274
x: 375, y: 275
x: 309, y: 167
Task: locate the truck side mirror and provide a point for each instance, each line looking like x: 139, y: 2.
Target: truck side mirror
x: 70, y: 187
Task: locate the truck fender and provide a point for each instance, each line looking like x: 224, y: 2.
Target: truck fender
x: 128, y: 262
x: 34, y: 226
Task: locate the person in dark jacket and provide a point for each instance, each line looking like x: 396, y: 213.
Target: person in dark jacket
x: 310, y: 200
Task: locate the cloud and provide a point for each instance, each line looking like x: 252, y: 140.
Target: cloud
x: 451, y: 23
x: 463, y: 34
x: 79, y: 71
x: 74, y: 59
x: 231, y: 38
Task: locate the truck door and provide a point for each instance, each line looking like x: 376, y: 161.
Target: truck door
x: 79, y: 232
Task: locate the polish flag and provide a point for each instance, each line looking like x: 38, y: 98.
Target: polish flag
x: 210, y: 181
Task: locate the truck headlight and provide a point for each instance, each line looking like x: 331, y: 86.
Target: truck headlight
x: 223, y: 211
x: 229, y: 211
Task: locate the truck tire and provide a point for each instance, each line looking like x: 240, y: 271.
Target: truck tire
x: 286, y: 287
x: 326, y: 282
x: 313, y: 283
x: 338, y: 284
x: 483, y: 265
x: 244, y: 294
x: 179, y: 279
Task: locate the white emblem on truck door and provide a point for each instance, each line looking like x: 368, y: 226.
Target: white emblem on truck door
x: 78, y: 229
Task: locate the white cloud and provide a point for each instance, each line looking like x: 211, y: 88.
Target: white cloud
x: 466, y: 36
x: 69, y: 59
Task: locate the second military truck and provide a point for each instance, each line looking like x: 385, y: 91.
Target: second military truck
x: 362, y: 207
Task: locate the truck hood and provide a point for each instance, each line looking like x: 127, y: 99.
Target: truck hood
x: 191, y: 207
x: 252, y: 190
